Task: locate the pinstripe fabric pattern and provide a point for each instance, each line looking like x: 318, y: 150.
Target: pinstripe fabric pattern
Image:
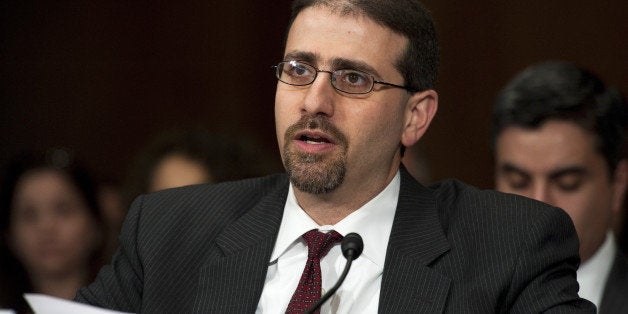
x: 196, y: 249
x: 615, y: 298
x: 456, y: 249
x: 452, y: 249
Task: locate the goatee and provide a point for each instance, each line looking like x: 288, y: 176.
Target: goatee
x: 315, y: 173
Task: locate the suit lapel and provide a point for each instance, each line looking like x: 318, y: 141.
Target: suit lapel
x: 416, y: 240
x: 233, y: 279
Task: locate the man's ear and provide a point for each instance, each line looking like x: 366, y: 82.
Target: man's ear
x: 620, y: 183
x: 420, y: 110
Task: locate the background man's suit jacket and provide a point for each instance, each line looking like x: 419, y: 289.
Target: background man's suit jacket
x: 452, y: 249
x: 615, y: 297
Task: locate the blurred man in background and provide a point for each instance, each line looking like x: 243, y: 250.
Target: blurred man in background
x: 558, y: 137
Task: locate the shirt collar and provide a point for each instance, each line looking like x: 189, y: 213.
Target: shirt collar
x: 373, y: 222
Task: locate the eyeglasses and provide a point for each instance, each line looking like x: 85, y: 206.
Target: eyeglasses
x: 348, y: 81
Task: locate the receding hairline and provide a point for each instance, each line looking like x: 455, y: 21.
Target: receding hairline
x: 346, y: 8
x: 343, y: 8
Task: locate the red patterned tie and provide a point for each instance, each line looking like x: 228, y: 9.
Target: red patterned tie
x: 309, y: 289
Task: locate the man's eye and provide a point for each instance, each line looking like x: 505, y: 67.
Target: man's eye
x: 355, y: 78
x: 517, y: 181
x: 296, y: 70
x: 569, y: 183
x: 297, y: 73
x: 299, y: 70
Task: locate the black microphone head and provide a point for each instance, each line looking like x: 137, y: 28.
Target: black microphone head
x: 352, y: 246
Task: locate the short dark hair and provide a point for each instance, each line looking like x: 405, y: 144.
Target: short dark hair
x: 419, y: 63
x: 559, y: 90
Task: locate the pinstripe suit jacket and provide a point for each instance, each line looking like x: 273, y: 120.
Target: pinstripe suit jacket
x: 452, y: 249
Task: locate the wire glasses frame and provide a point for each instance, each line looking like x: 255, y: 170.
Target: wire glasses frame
x: 298, y: 73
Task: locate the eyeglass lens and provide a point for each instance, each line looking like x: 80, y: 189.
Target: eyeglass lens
x: 346, y: 80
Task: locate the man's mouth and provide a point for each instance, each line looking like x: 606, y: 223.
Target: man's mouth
x: 314, y: 139
x: 314, y: 142
x: 314, y: 135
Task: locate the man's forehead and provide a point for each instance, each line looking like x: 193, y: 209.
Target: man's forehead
x: 545, y: 152
x: 331, y: 41
x: 353, y: 16
x: 545, y: 171
x: 548, y: 136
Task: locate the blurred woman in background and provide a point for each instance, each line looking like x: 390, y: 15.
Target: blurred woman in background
x: 51, y: 228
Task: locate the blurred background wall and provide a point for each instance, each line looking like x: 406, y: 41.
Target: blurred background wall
x: 102, y: 77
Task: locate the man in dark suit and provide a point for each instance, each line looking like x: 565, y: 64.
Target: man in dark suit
x: 355, y: 87
x: 558, y: 138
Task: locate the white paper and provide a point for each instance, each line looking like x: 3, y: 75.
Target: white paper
x: 45, y: 304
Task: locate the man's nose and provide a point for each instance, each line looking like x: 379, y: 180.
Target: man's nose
x: 319, y: 98
x: 541, y: 192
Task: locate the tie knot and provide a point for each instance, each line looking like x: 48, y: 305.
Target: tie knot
x: 319, y: 243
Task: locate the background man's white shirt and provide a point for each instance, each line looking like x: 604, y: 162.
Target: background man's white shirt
x: 593, y: 274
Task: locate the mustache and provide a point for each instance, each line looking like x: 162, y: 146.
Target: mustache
x: 316, y: 122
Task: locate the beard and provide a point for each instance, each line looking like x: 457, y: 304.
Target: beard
x: 315, y: 173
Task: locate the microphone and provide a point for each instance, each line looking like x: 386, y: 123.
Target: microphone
x: 351, y: 247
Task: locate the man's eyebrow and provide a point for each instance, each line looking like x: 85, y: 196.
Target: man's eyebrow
x: 572, y: 170
x: 343, y: 63
x: 335, y: 64
x: 508, y: 167
x: 304, y: 56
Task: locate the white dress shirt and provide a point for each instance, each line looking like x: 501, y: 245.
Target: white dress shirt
x: 593, y: 274
x: 360, y: 291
